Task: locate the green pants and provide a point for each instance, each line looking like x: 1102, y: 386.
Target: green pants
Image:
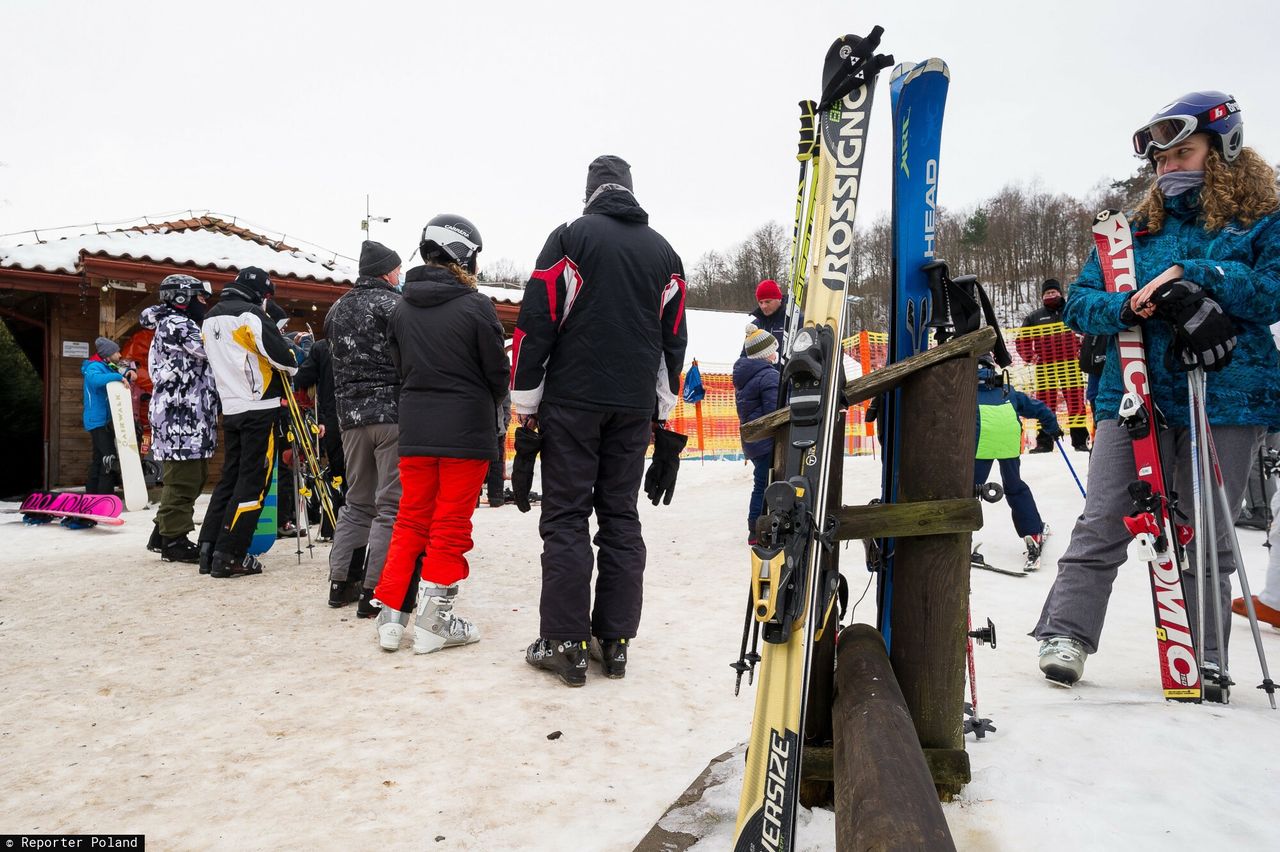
x: 183, y: 482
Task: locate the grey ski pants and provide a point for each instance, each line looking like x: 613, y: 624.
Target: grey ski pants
x: 1077, y: 602
x: 373, y: 497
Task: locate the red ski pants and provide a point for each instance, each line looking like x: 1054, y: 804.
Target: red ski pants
x: 438, y: 496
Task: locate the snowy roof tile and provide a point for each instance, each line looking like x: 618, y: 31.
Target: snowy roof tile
x: 205, y: 242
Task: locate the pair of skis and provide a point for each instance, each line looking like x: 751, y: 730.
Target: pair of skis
x: 792, y: 589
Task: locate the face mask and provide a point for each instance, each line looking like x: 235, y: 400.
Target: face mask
x: 1173, y: 184
x: 1053, y: 300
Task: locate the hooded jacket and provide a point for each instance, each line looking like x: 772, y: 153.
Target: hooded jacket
x: 365, y: 382
x: 316, y: 371
x: 1002, y: 409
x: 446, y: 343
x: 1239, y: 267
x: 97, y: 374
x: 245, y: 351
x: 601, y: 324
x: 184, y: 399
x: 755, y: 393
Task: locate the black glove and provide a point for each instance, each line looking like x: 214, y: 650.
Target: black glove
x: 1203, y: 334
x: 528, y: 443
x: 660, y: 481
x: 1054, y: 434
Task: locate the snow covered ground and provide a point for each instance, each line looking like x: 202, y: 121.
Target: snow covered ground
x: 140, y: 697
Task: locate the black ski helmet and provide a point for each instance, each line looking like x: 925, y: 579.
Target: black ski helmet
x: 253, y: 284
x: 449, y: 237
x: 181, y: 290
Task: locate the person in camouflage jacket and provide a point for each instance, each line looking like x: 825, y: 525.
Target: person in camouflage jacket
x: 367, y: 387
x: 184, y: 410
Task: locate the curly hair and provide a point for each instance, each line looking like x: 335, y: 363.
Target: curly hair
x: 1243, y: 191
x: 463, y: 276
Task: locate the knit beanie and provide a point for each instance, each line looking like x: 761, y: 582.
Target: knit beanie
x: 376, y: 259
x: 106, y: 347
x: 1050, y: 284
x: 768, y: 289
x: 759, y: 343
x: 608, y: 170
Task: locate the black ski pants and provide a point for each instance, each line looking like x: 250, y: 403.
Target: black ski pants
x: 102, y: 444
x: 250, y: 456
x: 591, y: 461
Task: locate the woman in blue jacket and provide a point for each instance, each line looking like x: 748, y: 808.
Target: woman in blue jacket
x: 1207, y: 243
x: 755, y: 393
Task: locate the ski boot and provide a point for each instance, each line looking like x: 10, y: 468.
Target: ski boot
x: 1266, y: 614
x: 78, y: 523
x: 1035, y: 546
x: 1215, y: 686
x: 390, y: 624
x: 343, y: 592
x: 34, y: 520
x: 206, y: 557
x: 287, y: 530
x: 612, y: 655
x: 1062, y: 660
x: 180, y: 550
x: 155, y: 544
x: 437, y: 627
x: 566, y: 659
x: 367, y: 608
x: 225, y: 565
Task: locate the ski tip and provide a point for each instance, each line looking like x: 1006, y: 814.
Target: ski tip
x: 908, y: 71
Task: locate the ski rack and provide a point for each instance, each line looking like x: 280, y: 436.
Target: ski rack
x: 932, y: 526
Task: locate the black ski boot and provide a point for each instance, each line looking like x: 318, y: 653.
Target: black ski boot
x: 206, y: 557
x: 1215, y: 686
x: 566, y: 659
x: 366, y: 608
x: 225, y: 565
x: 180, y: 550
x: 156, y: 543
x: 343, y: 592
x: 612, y: 655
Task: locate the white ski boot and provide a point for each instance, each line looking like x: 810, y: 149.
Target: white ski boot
x: 390, y: 624
x: 437, y: 627
x: 1062, y: 660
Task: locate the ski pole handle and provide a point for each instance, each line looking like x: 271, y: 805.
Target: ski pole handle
x: 808, y: 138
x: 937, y: 273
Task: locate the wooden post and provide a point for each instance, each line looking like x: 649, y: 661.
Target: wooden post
x: 885, y: 797
x: 931, y: 573
x: 106, y: 314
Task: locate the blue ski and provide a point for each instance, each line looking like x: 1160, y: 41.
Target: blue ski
x: 918, y: 95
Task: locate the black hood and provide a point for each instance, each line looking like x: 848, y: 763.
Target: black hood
x: 429, y: 286
x: 619, y: 204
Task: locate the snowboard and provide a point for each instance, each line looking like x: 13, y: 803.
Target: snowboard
x: 103, y: 508
x: 264, y: 535
x: 128, y: 459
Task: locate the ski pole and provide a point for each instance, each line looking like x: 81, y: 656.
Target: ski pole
x: 1063, y: 452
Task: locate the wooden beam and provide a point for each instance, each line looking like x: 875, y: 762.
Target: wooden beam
x: 106, y: 313
x: 128, y: 319
x: 885, y: 798
x: 898, y: 520
x: 880, y: 381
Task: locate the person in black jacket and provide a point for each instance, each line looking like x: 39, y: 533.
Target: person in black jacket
x: 366, y: 386
x: 771, y: 314
x: 596, y: 360
x: 1053, y: 355
x: 446, y: 342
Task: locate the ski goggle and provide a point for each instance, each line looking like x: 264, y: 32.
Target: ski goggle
x: 1165, y: 132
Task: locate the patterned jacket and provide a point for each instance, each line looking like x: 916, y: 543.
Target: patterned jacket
x: 365, y: 382
x: 184, y: 399
x: 1240, y: 268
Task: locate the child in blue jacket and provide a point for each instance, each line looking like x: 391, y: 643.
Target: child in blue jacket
x: 1000, y: 413
x: 755, y: 393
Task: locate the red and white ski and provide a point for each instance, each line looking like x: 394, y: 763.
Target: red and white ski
x: 1160, y: 540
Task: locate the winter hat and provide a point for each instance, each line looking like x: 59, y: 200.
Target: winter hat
x: 760, y: 343
x: 608, y: 170
x: 106, y: 347
x: 252, y: 283
x: 768, y: 289
x: 376, y: 259
x: 1050, y: 284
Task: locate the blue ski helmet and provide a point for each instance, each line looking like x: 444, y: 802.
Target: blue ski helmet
x: 1215, y: 113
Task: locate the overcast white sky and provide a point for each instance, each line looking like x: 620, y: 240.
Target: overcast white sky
x: 286, y: 113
